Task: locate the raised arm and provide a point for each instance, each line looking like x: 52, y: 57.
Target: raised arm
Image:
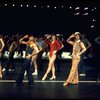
x: 69, y: 39
x: 22, y: 40
x: 2, y: 42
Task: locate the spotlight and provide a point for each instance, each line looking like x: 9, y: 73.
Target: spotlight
x: 76, y: 13
x: 27, y: 5
x: 92, y: 26
x: 77, y: 8
x: 48, y: 6
x: 85, y: 14
x: 92, y: 9
x: 70, y: 7
x: 94, y: 20
x: 34, y: 5
x: 95, y: 8
x: 21, y: 5
x: 55, y: 7
x: 85, y: 8
x: 41, y: 6
x: 62, y: 6
x: 5, y: 4
x: 13, y: 5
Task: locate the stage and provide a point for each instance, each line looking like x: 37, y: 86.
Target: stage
x: 87, y: 87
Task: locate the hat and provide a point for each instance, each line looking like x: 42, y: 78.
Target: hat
x: 77, y: 33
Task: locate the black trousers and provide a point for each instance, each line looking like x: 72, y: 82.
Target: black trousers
x: 10, y: 61
x: 26, y: 67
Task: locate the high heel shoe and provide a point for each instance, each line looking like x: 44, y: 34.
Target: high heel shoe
x: 53, y: 78
x: 44, y: 77
x: 65, y: 84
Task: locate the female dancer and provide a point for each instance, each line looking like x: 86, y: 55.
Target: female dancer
x: 1, y: 48
x: 54, y: 47
x: 78, y: 50
x: 31, y: 51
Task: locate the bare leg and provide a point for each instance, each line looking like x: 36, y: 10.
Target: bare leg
x: 0, y: 72
x: 51, y: 62
x: 53, y: 73
x: 35, y: 65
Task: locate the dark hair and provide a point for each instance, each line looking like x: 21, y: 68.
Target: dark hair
x: 80, y: 35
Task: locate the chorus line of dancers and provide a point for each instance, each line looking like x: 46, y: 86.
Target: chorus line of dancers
x: 33, y: 49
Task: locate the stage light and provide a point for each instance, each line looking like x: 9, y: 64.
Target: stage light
x: 41, y: 6
x: 77, y: 8
x: 62, y: 6
x: 5, y: 4
x: 70, y: 7
x: 13, y: 5
x: 85, y: 8
x: 95, y: 8
x: 85, y: 14
x: 21, y: 5
x: 55, y: 7
x: 34, y: 5
x: 48, y: 6
x: 76, y: 13
x: 94, y: 20
x: 92, y: 9
x: 27, y: 5
x: 92, y: 26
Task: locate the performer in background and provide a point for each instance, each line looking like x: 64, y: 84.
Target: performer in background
x: 97, y: 56
x: 12, y: 48
x: 78, y: 50
x: 81, y: 66
x: 1, y: 48
x: 58, y: 59
x: 54, y: 47
x: 38, y: 63
x: 31, y: 51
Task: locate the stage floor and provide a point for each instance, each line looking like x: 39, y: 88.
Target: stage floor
x: 87, y: 87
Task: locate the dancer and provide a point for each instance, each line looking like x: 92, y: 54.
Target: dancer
x: 54, y: 47
x: 12, y: 48
x: 96, y: 57
x: 1, y: 48
x: 31, y: 51
x: 38, y: 62
x: 81, y: 65
x: 78, y: 50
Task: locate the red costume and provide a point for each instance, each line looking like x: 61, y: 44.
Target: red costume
x: 53, y: 46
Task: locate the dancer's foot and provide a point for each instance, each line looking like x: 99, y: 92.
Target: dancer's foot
x: 65, y: 84
x: 34, y: 73
x: 3, y: 69
x: 53, y: 78
x: 25, y: 73
x: 44, y: 77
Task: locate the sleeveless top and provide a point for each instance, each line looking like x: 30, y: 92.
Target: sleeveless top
x: 76, y: 49
x: 29, y: 50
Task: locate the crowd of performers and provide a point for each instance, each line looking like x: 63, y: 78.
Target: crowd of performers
x: 34, y: 48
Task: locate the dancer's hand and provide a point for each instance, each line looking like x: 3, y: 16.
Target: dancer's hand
x: 78, y: 54
x: 28, y: 56
x: 54, y: 52
x: 26, y: 36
